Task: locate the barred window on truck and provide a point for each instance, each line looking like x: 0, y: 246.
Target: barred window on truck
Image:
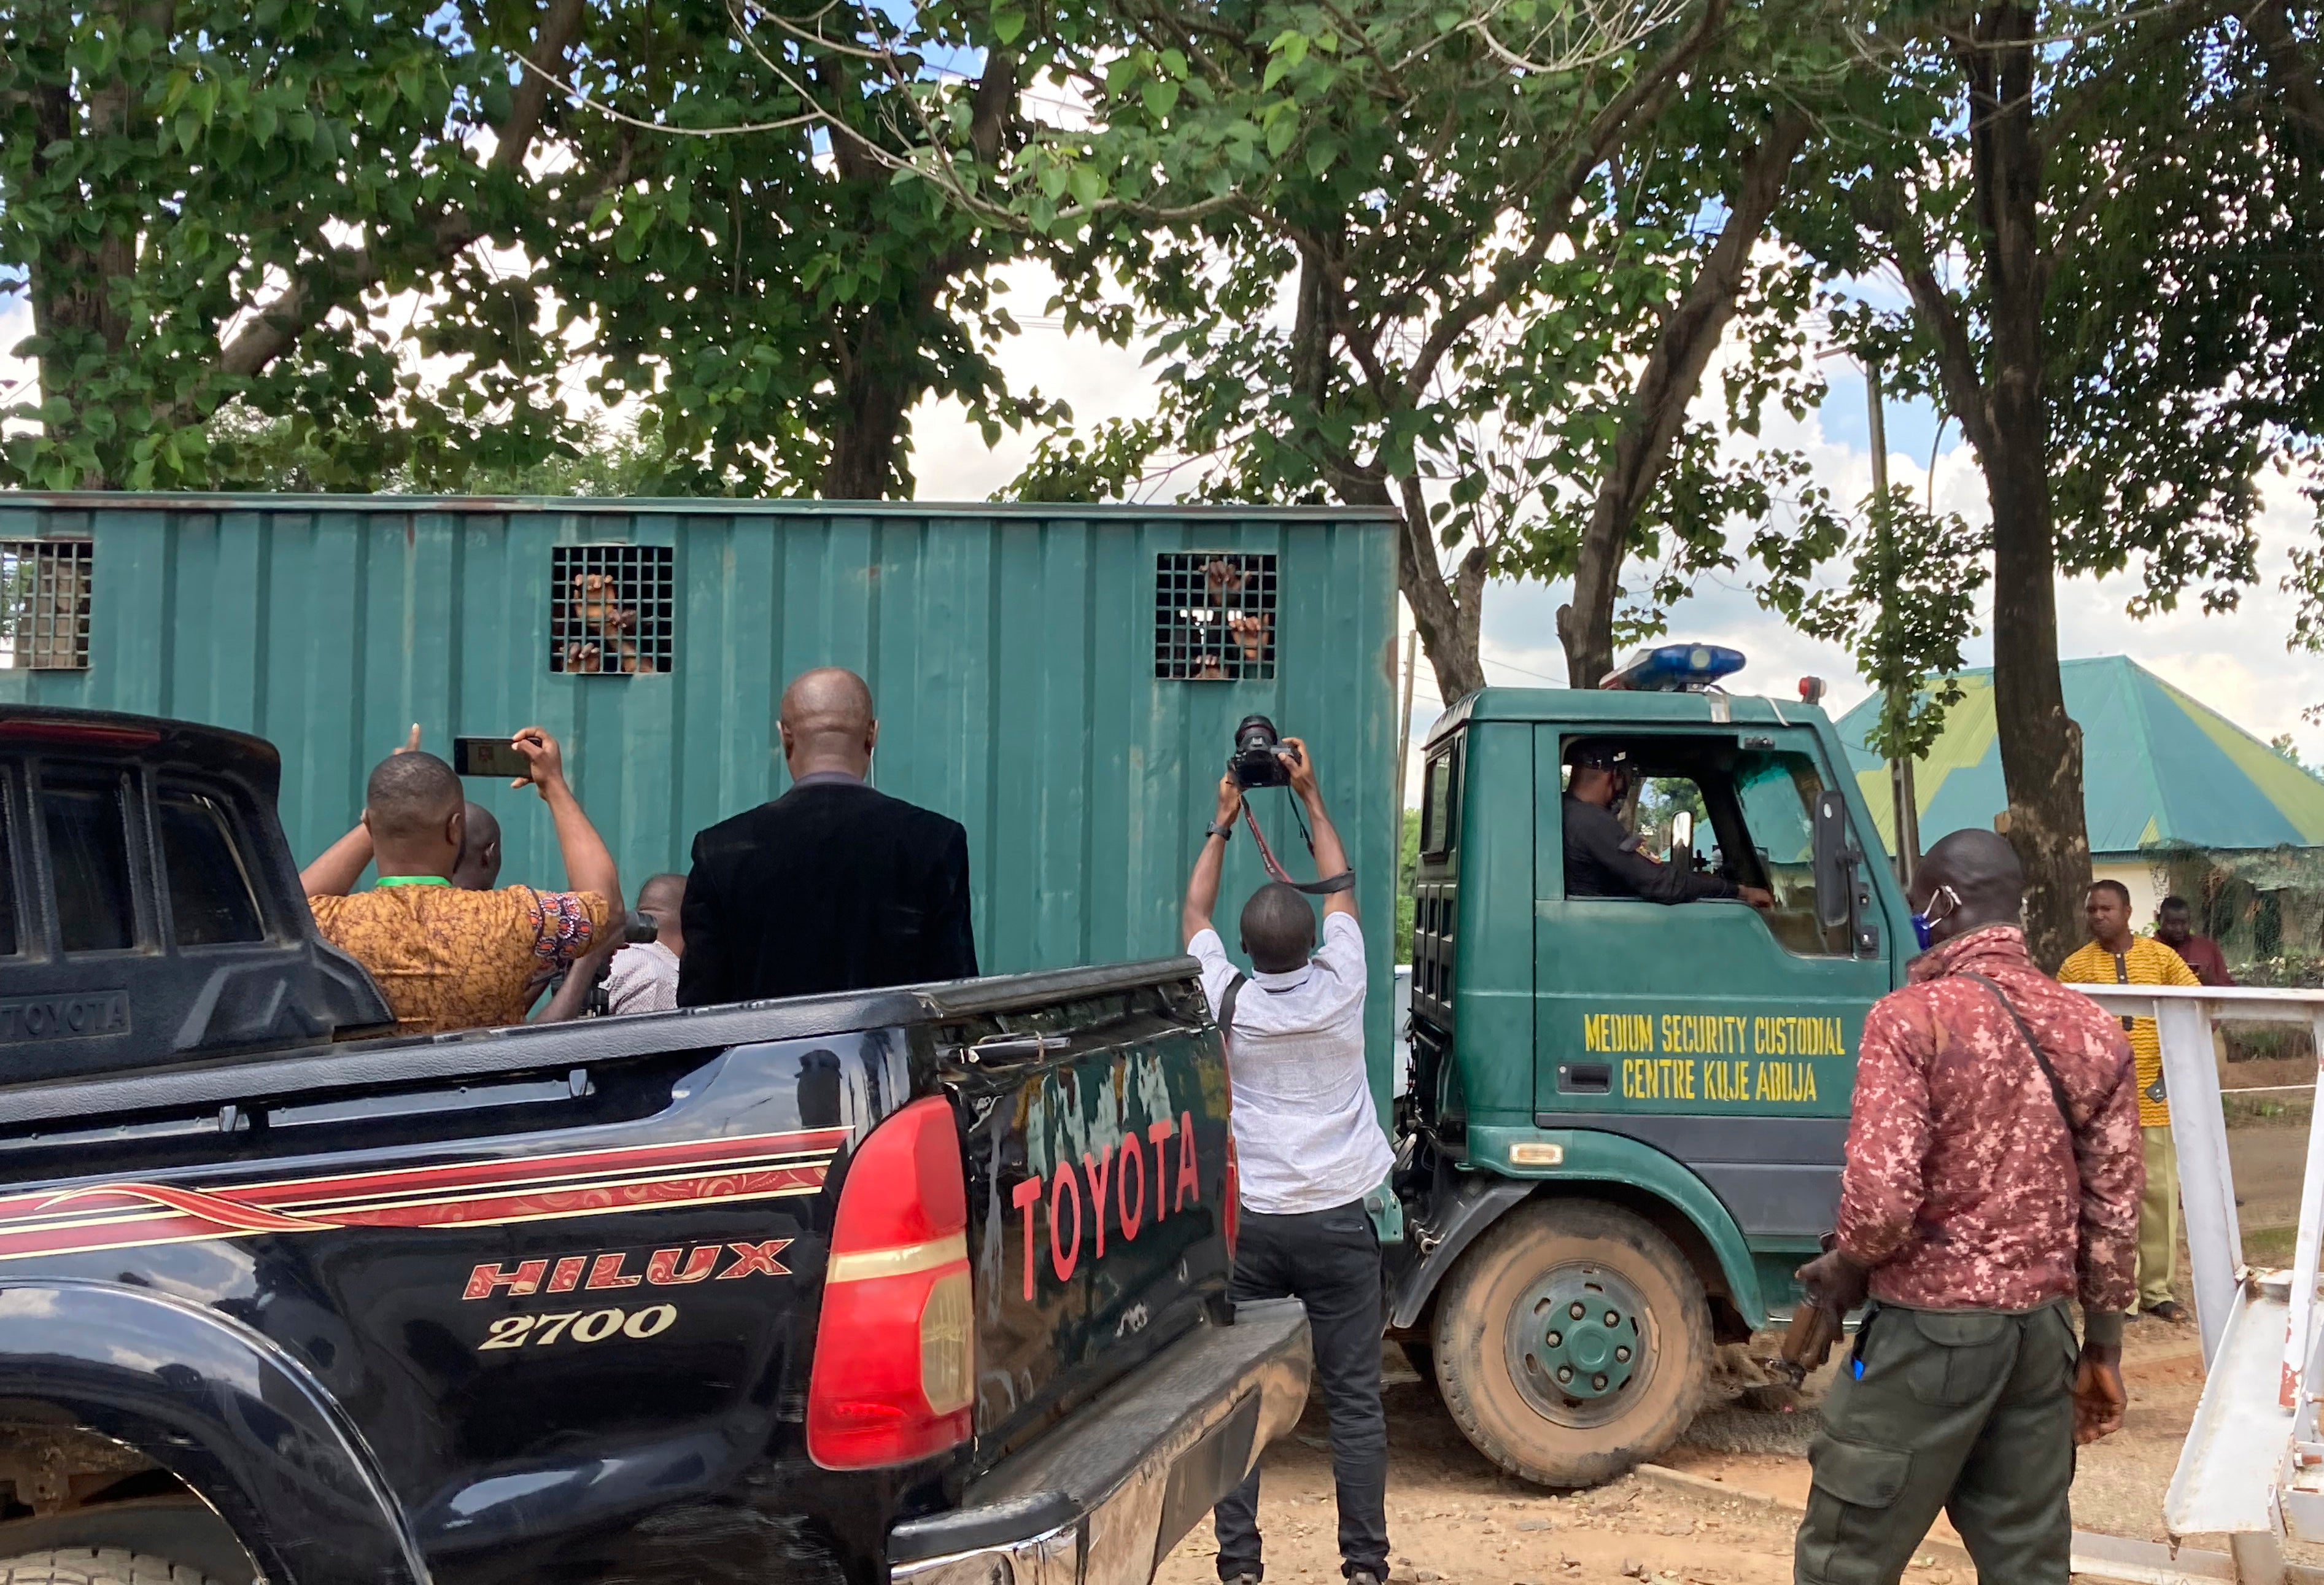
x: 1215, y: 615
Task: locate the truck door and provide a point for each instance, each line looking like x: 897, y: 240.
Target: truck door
x: 1721, y: 1035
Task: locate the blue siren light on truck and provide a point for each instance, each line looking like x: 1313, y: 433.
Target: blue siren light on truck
x: 1676, y: 668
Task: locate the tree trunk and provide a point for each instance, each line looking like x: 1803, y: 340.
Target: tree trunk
x: 866, y: 448
x: 2041, y: 747
x: 1446, y: 613
x: 77, y: 293
x: 1690, y: 333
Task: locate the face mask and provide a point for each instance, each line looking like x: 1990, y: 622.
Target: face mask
x: 1922, y: 922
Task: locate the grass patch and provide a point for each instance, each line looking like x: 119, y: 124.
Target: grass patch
x: 2265, y: 1111
x: 2269, y: 1246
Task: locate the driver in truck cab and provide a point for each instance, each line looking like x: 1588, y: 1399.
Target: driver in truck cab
x: 1603, y: 858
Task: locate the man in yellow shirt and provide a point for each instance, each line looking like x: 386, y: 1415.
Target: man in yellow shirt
x: 2117, y: 957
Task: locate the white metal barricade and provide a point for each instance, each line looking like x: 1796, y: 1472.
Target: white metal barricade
x: 2252, y: 1466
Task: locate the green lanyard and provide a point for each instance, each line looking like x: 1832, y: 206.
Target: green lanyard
x: 413, y: 880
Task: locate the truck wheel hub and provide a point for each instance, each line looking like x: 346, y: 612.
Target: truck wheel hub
x: 1577, y: 1343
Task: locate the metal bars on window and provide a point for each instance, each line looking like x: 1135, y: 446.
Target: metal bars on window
x: 611, y: 609
x: 1215, y: 615
x: 44, y: 619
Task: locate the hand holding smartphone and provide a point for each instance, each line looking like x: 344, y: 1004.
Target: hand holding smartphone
x: 489, y: 756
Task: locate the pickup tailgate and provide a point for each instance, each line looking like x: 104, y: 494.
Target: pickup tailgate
x: 1099, y: 1188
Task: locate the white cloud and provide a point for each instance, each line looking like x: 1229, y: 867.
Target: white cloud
x: 16, y: 373
x: 1097, y: 380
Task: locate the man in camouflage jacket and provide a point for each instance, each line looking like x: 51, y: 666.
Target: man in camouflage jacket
x: 1978, y: 1201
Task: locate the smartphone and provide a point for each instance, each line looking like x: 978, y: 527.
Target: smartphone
x: 489, y: 756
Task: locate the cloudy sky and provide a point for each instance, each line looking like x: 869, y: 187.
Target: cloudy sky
x: 2237, y: 663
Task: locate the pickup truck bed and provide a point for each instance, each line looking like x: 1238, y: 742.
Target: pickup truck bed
x: 905, y: 1284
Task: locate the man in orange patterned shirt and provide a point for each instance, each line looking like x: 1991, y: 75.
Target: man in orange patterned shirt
x: 445, y: 958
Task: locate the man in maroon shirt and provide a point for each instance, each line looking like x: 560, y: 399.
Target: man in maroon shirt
x: 2174, y: 928
x: 1989, y: 1184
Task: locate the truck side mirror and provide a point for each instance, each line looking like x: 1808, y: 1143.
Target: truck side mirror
x: 1835, y: 860
x: 1682, y: 834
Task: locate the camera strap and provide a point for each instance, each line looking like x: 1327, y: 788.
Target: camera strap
x: 1342, y: 881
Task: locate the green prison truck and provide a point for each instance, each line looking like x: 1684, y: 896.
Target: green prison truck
x: 1624, y: 1121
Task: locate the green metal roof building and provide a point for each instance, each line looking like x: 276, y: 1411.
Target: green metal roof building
x: 2161, y: 770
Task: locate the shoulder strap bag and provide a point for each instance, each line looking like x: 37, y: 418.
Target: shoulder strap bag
x: 2025, y: 1033
x: 1227, y: 1007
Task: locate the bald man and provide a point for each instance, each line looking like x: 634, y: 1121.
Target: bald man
x: 1993, y: 1179
x: 835, y: 886
x: 479, y: 869
x: 448, y: 957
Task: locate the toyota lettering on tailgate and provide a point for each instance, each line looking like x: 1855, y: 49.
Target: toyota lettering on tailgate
x: 1117, y: 1170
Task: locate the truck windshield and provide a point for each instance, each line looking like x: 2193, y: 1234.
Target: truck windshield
x: 1778, y: 794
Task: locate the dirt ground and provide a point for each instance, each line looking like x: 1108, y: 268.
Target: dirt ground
x: 1454, y: 1518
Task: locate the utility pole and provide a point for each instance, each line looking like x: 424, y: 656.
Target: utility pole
x: 1404, y: 731
x: 1905, y: 808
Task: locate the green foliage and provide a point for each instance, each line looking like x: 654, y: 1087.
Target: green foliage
x: 168, y: 172
x: 382, y: 242
x: 606, y: 460
x: 1414, y: 254
x: 2178, y: 288
x: 1109, y: 464
x: 776, y: 300
x: 1408, y: 866
x: 1904, y: 613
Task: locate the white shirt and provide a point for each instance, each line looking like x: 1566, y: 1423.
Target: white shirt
x: 642, y: 980
x: 1306, y: 1137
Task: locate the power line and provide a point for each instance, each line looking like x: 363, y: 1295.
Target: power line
x: 1522, y: 671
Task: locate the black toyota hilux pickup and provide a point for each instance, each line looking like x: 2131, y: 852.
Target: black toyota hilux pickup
x: 925, y: 1284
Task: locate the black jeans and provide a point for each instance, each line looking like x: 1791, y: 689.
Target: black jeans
x: 1329, y: 1260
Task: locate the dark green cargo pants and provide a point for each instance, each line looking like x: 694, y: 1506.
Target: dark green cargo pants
x: 1969, y: 1412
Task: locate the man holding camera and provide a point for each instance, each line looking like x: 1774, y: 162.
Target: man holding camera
x: 1309, y: 1147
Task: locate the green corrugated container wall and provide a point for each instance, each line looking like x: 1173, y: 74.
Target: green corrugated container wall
x: 1011, y: 650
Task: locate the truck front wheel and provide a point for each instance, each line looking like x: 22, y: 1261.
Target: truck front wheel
x: 1572, y: 1341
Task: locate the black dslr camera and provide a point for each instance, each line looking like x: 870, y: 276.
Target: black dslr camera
x: 1257, y: 760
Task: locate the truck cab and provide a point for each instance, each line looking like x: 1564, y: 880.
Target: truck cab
x: 1624, y: 1120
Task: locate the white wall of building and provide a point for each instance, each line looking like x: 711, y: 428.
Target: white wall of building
x: 2136, y: 874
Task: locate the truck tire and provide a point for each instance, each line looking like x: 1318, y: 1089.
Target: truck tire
x: 1572, y: 1341
x: 87, y: 1565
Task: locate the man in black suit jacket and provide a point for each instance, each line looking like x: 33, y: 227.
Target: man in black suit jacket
x: 832, y: 886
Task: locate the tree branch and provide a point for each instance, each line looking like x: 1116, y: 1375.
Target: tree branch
x: 1882, y: 211
x: 530, y: 98
x: 993, y: 107
x: 1689, y: 335
x: 343, y: 272
x: 1645, y: 94
x: 2292, y: 73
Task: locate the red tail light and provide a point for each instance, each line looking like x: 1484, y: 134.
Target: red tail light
x: 894, y: 1362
